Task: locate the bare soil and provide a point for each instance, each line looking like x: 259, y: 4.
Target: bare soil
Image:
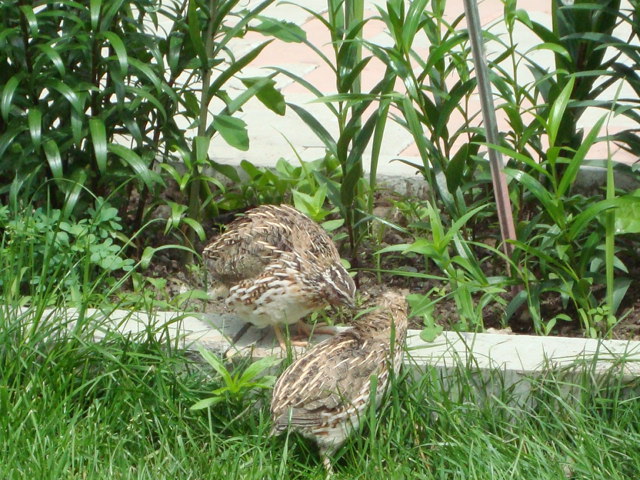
x: 169, y: 264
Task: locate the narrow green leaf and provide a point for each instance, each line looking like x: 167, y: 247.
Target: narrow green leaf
x: 553, y: 207
x: 376, y: 143
x: 7, y: 95
x: 238, y: 28
x: 7, y: 137
x: 620, y: 287
x: 258, y: 367
x: 530, y: 162
x: 78, y: 177
x: 77, y: 126
x: 318, y: 129
x: 400, y: 247
x: 195, y: 31
x: 54, y: 159
x: 147, y: 256
x: 68, y: 93
x: 196, y: 227
x: 233, y: 130
x: 134, y: 160
x: 267, y: 93
x: 588, y: 215
x: 99, y: 139
x: 147, y: 95
x: 31, y: 18
x: 234, y: 68
x: 206, y: 403
x: 574, y: 165
x: 216, y: 364
x: 121, y: 51
x: 286, y: 31
x: 411, y: 24
x: 455, y: 98
x: 34, y: 118
x: 94, y: 13
x: 554, y: 47
x: 54, y: 56
x: 175, y: 217
x: 308, y: 85
x: 191, y: 103
x: 331, y: 225
x: 201, y: 149
x: 557, y: 111
x: 460, y: 222
x: 147, y: 71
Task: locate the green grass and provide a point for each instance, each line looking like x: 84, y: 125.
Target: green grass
x: 119, y: 409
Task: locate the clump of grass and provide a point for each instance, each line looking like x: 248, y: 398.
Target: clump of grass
x: 75, y: 408
x: 120, y: 408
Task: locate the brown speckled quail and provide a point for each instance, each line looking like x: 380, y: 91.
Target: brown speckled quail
x: 277, y: 266
x: 323, y: 393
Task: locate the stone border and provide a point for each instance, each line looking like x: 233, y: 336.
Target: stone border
x: 517, y: 359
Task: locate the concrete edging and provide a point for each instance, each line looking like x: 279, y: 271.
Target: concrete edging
x: 516, y: 358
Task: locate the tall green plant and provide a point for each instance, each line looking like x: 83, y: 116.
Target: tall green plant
x: 198, y: 48
x: 437, y: 87
x: 96, y: 96
x: 72, y: 79
x: 357, y: 128
x: 452, y: 254
x: 584, y: 47
x: 562, y: 247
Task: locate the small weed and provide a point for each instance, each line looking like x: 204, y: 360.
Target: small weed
x: 238, y: 387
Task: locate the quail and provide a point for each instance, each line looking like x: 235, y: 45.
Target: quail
x: 323, y: 393
x: 276, y: 265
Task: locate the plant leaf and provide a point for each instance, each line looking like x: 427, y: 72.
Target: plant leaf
x: 233, y: 130
x: 286, y: 31
x: 257, y: 367
x: 94, y: 9
x: 627, y: 218
x: 557, y: 111
x: 34, y: 118
x: 195, y: 31
x: 267, y: 93
x: 574, y: 165
x: 217, y: 365
x: 7, y: 95
x: 429, y: 334
x: 99, y: 140
x: 206, y: 403
x: 136, y: 162
x: 196, y: 227
x: 121, y: 52
x: 318, y: 129
x: 54, y: 56
x: 52, y: 153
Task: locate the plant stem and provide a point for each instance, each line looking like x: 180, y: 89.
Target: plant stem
x: 194, y: 211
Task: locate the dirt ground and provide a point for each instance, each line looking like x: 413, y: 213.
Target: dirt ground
x: 169, y: 265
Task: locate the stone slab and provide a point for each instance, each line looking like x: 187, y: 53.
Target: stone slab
x: 495, y: 361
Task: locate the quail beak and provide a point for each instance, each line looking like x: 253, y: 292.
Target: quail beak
x: 350, y: 304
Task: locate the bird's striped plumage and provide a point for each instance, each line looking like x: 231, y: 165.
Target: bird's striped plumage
x: 323, y: 393
x: 278, y: 266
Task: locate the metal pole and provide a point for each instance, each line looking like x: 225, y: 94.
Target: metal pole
x: 500, y: 189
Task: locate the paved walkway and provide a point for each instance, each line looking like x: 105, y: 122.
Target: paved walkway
x: 271, y: 134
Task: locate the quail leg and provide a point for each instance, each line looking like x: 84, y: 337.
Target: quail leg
x: 318, y: 328
x: 283, y: 341
x: 326, y: 461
